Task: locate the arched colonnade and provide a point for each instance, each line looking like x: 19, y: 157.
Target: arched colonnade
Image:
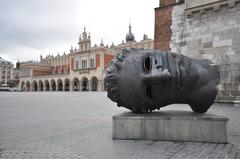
x: 75, y: 84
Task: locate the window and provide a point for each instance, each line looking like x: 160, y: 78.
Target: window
x: 82, y: 46
x: 65, y: 70
x: 54, y: 71
x: 77, y: 64
x: 92, y: 64
x: 59, y: 71
x: 84, y: 63
x: 149, y: 46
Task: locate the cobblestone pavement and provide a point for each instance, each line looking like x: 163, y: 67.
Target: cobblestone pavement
x: 79, y: 126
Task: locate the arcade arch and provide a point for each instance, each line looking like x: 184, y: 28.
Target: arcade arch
x: 40, y: 85
x: 46, y: 85
x: 53, y: 85
x: 28, y: 85
x: 94, y: 84
x: 76, y: 84
x: 59, y: 85
x: 22, y: 86
x: 84, y: 84
x: 66, y: 84
x: 34, y: 86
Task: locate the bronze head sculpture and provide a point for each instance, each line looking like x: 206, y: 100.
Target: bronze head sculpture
x: 145, y: 80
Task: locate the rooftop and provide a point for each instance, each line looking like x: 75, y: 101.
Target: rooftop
x: 5, y: 62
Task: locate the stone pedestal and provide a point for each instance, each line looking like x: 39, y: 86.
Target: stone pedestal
x: 171, y: 126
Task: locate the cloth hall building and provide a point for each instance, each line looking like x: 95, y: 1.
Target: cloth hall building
x: 81, y: 69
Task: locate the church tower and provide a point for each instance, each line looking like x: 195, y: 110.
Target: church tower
x: 84, y: 41
x: 130, y: 36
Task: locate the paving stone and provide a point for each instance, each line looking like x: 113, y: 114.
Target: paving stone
x: 79, y: 126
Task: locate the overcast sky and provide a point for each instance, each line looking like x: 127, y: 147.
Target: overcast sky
x: 29, y: 28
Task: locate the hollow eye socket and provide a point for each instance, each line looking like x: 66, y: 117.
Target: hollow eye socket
x: 149, y: 92
x: 147, y: 64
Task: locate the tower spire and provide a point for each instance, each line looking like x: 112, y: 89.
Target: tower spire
x: 101, y: 45
x: 130, y: 36
x: 84, y: 34
x: 130, y: 26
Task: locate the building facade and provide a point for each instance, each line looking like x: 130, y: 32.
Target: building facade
x: 203, y: 29
x: 6, y: 71
x: 81, y: 69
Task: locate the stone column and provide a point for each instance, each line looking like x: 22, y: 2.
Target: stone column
x: 56, y: 86
x: 101, y: 85
x: 50, y: 87
x: 63, y: 87
x: 89, y: 85
x: 44, y: 88
x: 39, y: 88
x: 30, y: 88
x: 80, y: 85
x: 71, y: 85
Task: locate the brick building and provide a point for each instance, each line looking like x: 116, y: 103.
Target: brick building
x: 203, y: 29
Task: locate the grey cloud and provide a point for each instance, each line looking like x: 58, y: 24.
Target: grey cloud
x: 36, y: 23
x: 40, y: 26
